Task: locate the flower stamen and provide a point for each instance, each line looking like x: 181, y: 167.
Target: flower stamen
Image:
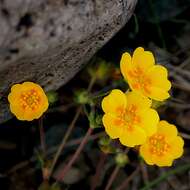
x: 158, y: 145
x: 127, y: 117
x: 30, y: 99
x: 141, y: 81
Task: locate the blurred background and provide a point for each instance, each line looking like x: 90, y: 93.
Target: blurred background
x: 162, y: 27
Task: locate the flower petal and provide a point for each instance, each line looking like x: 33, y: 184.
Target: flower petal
x: 125, y: 64
x: 131, y: 138
x: 158, y: 75
x: 135, y: 98
x: 15, y: 91
x: 150, y: 119
x: 17, y: 111
x: 177, y: 147
x: 29, y: 115
x: 112, y: 126
x: 16, y: 87
x: 174, y: 146
x: 158, y: 94
x: 114, y: 101
x: 143, y: 59
x: 146, y: 154
x: 169, y: 130
x: 162, y: 161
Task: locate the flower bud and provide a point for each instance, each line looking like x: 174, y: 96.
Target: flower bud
x: 121, y: 159
x: 105, y: 145
x: 52, y: 97
x: 82, y: 97
x: 101, y: 70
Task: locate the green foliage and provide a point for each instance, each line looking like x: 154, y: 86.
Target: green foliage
x: 82, y: 96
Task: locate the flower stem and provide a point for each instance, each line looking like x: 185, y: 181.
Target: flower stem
x: 114, y: 173
x: 69, y: 130
x: 42, y: 136
x: 144, y: 173
x: 92, y: 81
x: 125, y: 183
x: 77, y: 141
x: 75, y: 156
x: 177, y: 170
x: 65, y: 138
x: 99, y: 168
x: 91, y: 138
x: 112, y: 177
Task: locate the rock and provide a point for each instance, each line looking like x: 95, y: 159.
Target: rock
x: 49, y: 41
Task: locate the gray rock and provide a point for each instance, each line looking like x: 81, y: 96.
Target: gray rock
x: 48, y: 41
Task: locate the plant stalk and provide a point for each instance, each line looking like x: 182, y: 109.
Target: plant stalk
x: 75, y: 156
x: 163, y: 177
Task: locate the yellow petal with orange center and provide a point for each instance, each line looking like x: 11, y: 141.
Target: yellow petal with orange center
x: 149, y: 121
x: 27, y: 101
x: 163, y: 147
x: 143, y: 59
x: 113, y: 125
x: 132, y: 137
x: 144, y: 76
x: 159, y: 77
x: 115, y: 102
x: 151, y: 159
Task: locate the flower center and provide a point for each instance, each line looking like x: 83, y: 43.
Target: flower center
x: 158, y: 145
x: 128, y: 117
x: 30, y: 99
x: 140, y: 80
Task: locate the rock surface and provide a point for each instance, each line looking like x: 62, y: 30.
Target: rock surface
x: 48, y: 41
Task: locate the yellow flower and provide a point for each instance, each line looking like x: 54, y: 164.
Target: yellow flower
x: 27, y: 101
x: 129, y: 117
x: 144, y: 76
x: 162, y: 147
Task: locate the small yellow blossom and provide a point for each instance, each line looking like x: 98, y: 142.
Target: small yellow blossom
x: 129, y: 117
x: 144, y: 76
x: 27, y: 101
x: 162, y: 147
